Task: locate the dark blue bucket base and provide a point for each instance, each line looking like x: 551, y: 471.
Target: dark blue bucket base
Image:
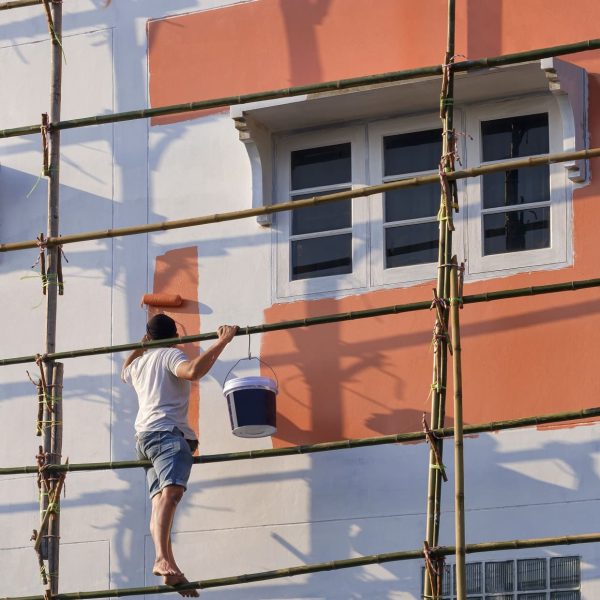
x: 252, y: 412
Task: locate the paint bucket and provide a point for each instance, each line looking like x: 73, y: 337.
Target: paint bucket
x: 252, y: 406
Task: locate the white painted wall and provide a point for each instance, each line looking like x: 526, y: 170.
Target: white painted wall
x: 237, y: 517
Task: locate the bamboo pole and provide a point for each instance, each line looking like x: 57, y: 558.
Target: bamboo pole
x: 465, y: 66
x: 535, y: 290
x: 440, y: 355
x: 523, y: 163
x: 459, y: 468
x: 52, y: 435
x: 371, y: 559
x: 396, y: 438
x: 19, y: 4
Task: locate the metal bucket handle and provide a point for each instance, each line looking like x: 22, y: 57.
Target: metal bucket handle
x: 262, y: 362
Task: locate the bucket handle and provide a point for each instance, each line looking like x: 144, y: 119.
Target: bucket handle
x: 262, y: 362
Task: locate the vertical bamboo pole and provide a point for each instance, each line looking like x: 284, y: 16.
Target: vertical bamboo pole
x: 438, y: 395
x: 52, y: 426
x: 459, y: 478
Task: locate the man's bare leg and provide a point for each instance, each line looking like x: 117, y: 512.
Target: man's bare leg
x: 164, y: 506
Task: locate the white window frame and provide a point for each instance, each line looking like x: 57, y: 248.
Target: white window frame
x: 413, y: 274
x: 559, y: 252
x: 285, y: 288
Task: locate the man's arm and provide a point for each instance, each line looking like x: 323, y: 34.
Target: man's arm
x: 135, y: 354
x: 200, y: 366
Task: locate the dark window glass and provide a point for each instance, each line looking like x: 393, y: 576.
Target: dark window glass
x: 412, y: 203
x: 412, y: 152
x: 514, y: 137
x: 323, y: 217
x: 531, y: 574
x: 322, y: 256
x: 327, y: 165
x: 474, y: 574
x: 500, y: 597
x: 411, y: 244
x: 516, y: 230
x: 519, y: 186
x: 571, y: 595
x: 537, y: 596
x: 564, y: 572
x: 499, y: 577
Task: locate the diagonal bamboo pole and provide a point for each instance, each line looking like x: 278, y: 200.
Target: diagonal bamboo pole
x: 329, y: 86
x: 19, y: 4
x: 396, y: 438
x: 535, y: 290
x: 360, y: 561
x: 459, y: 470
x: 523, y: 163
x: 440, y: 355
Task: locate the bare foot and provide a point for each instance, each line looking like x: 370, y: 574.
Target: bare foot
x: 175, y: 580
x: 164, y: 568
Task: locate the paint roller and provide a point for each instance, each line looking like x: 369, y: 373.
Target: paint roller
x: 162, y: 300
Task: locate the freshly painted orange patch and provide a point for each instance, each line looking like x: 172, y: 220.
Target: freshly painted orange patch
x: 176, y: 272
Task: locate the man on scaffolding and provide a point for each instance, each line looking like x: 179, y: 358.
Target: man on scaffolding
x: 160, y: 377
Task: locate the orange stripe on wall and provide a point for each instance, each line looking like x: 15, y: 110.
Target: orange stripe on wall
x: 176, y: 272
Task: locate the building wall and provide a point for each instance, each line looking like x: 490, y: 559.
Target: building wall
x: 354, y: 379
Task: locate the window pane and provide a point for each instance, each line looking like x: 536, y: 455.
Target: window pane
x: 516, y: 230
x: 515, y: 136
x: 412, y: 203
x: 411, y: 245
x: 499, y: 577
x: 518, y: 186
x: 538, y: 596
x: 564, y: 572
x: 500, y: 597
x: 327, y: 165
x: 412, y: 152
x: 531, y: 575
x: 474, y: 573
x: 573, y: 595
x: 324, y: 217
x: 322, y: 256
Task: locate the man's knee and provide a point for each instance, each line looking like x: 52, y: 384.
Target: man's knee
x: 173, y: 493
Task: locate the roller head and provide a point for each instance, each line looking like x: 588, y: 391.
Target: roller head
x: 168, y: 300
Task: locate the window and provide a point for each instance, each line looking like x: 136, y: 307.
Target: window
x: 508, y: 222
x: 557, y: 578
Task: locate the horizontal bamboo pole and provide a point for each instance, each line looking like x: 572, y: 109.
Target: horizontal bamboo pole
x: 397, y: 438
x: 310, y: 321
x: 361, y: 561
x: 19, y: 4
x: 523, y: 163
x: 341, y: 84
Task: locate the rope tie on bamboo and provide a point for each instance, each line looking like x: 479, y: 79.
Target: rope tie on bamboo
x: 432, y: 439
x: 435, y: 570
x: 53, y: 35
x: 43, y: 572
x: 446, y: 101
x: 41, y: 403
x: 42, y: 244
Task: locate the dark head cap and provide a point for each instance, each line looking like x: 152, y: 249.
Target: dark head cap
x: 161, y: 327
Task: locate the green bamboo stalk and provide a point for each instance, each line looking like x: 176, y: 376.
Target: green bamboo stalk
x: 522, y: 163
x: 329, y: 86
x: 440, y: 356
x: 459, y: 467
x: 371, y: 559
x: 396, y: 438
x: 19, y: 4
x: 535, y: 290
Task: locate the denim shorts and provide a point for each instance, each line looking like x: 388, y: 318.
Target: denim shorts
x: 171, y: 457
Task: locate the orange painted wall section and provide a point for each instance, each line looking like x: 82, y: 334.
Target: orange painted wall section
x: 360, y: 378
x: 272, y: 44
x: 176, y: 272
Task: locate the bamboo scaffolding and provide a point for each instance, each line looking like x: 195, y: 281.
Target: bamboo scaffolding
x: 524, y: 163
x: 19, y: 4
x: 396, y: 438
x: 535, y: 290
x: 371, y: 559
x: 328, y: 86
x: 459, y: 467
x: 441, y: 293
